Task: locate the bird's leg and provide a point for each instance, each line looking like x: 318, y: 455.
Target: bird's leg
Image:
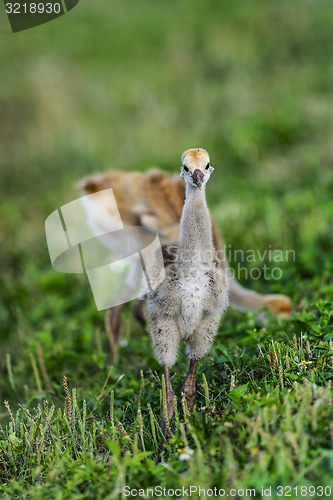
x: 112, y: 326
x: 189, y: 388
x: 169, y: 402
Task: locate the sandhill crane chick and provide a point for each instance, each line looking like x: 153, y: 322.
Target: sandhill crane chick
x: 188, y: 304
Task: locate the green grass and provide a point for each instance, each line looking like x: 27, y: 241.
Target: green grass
x: 130, y: 88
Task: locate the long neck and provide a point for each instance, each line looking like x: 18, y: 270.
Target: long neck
x: 196, y: 239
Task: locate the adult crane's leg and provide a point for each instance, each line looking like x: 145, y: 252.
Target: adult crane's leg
x: 168, y: 402
x: 189, y: 387
x: 113, y: 315
x: 140, y: 312
x: 112, y: 326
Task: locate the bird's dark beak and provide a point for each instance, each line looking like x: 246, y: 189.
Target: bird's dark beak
x: 197, y: 178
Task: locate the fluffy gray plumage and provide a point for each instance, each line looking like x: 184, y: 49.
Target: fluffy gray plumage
x: 188, y: 304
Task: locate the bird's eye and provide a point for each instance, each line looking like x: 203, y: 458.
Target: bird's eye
x: 207, y: 166
x: 185, y: 168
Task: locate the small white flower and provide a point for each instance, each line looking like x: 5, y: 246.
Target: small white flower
x: 303, y: 363
x: 185, y: 453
